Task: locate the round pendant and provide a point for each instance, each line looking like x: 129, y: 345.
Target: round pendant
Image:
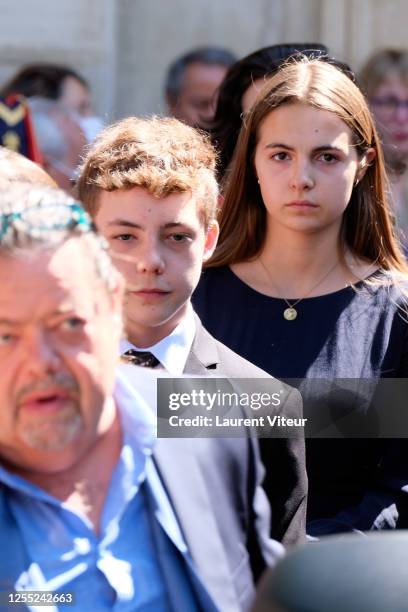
x: 290, y: 314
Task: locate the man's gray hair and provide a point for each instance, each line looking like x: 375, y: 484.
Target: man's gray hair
x: 211, y: 56
x: 33, y: 217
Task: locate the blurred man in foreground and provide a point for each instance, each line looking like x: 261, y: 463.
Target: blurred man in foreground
x: 88, y: 505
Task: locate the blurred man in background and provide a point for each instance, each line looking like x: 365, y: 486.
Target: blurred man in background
x: 60, y: 140
x: 61, y: 84
x: 191, y: 84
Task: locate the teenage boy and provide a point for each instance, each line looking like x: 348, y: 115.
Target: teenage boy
x: 150, y: 186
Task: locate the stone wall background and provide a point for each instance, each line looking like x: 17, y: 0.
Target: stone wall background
x: 124, y: 46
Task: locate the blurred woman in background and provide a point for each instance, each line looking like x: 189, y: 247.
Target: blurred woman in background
x: 384, y: 79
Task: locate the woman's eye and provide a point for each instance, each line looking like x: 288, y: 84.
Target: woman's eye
x: 328, y: 158
x: 281, y: 156
x: 179, y: 237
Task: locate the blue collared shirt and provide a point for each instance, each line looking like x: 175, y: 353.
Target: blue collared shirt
x: 173, y: 350
x: 115, y: 570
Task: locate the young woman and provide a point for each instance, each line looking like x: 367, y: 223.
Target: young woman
x: 308, y: 280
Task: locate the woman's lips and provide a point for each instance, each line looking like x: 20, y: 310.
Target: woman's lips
x: 301, y: 204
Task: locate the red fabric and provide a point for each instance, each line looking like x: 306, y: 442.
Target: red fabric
x: 33, y: 152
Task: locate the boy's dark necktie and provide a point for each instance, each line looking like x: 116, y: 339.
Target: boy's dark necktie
x: 145, y: 359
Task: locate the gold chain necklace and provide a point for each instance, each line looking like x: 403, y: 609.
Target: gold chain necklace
x: 290, y: 313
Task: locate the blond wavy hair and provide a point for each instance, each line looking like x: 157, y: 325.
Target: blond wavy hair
x: 161, y: 155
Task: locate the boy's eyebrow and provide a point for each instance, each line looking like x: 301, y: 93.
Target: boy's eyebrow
x: 126, y: 223
x: 175, y: 224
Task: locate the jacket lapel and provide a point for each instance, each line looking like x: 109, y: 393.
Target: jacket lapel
x: 203, y: 357
x: 181, y: 476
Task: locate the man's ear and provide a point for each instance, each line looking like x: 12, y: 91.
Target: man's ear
x: 364, y: 163
x: 211, y: 238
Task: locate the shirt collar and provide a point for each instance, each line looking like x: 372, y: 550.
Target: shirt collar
x: 174, y: 349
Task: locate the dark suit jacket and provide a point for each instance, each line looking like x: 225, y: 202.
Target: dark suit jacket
x: 284, y: 458
x: 213, y: 486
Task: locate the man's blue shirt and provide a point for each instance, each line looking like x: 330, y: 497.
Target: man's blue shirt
x: 117, y: 569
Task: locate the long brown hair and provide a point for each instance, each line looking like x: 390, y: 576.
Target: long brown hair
x: 367, y: 227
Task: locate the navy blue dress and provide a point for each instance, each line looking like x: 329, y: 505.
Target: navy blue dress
x: 359, y: 332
